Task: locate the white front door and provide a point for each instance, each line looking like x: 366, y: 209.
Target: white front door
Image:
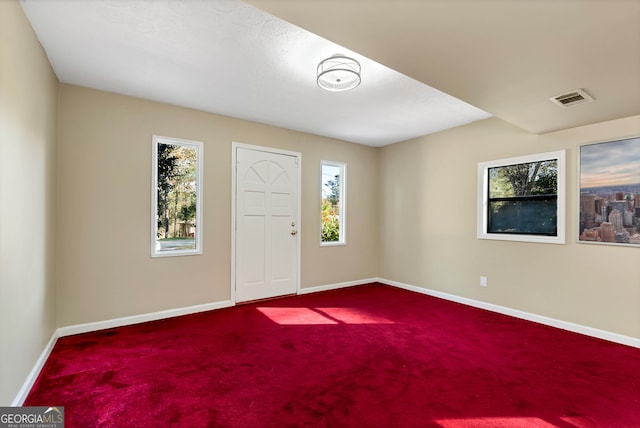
x: 266, y: 236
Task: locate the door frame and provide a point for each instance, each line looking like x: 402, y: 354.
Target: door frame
x: 235, y: 146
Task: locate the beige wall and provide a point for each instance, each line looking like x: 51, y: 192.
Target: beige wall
x: 28, y: 97
x: 411, y: 213
x: 428, y: 223
x: 105, y: 268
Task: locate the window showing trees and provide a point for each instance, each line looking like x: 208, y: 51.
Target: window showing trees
x: 176, y: 213
x: 333, y: 203
x: 523, y: 198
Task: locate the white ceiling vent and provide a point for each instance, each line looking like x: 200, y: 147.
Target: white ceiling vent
x: 572, y: 98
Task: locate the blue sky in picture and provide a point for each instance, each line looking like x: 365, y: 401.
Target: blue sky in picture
x: 615, y: 163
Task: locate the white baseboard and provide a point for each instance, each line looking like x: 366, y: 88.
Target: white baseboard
x: 35, y: 371
x: 137, y: 319
x: 564, y: 325
x: 336, y: 286
x: 101, y: 325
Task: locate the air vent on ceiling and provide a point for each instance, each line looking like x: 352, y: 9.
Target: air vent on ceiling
x: 572, y: 98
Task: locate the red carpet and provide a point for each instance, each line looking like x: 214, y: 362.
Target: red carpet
x: 368, y: 356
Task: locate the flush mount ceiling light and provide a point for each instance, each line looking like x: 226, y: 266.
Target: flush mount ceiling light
x: 338, y: 73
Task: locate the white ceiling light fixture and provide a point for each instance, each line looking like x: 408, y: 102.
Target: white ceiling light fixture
x: 244, y: 40
x: 338, y: 73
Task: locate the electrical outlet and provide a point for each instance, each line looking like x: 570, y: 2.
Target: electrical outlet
x: 483, y: 281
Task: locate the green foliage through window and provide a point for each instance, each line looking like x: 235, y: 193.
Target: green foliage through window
x: 332, y: 214
x: 523, y: 198
x: 177, y: 175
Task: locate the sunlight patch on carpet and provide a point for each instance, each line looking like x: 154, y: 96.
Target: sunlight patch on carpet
x: 507, y: 422
x: 319, y: 316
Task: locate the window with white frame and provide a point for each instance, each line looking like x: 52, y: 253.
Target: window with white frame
x: 523, y: 198
x: 176, y: 197
x: 333, y: 212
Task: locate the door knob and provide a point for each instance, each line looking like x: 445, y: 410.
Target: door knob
x: 294, y: 232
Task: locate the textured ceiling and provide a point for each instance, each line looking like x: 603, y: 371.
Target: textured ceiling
x: 237, y: 59
x: 506, y: 57
x: 227, y: 57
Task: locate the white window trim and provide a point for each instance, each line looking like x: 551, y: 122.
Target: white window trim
x: 483, y: 197
x: 343, y: 204
x: 199, y: 147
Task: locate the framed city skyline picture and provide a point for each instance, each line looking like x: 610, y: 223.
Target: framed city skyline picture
x: 610, y: 192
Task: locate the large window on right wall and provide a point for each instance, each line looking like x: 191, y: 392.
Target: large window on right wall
x: 333, y: 211
x: 523, y: 198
